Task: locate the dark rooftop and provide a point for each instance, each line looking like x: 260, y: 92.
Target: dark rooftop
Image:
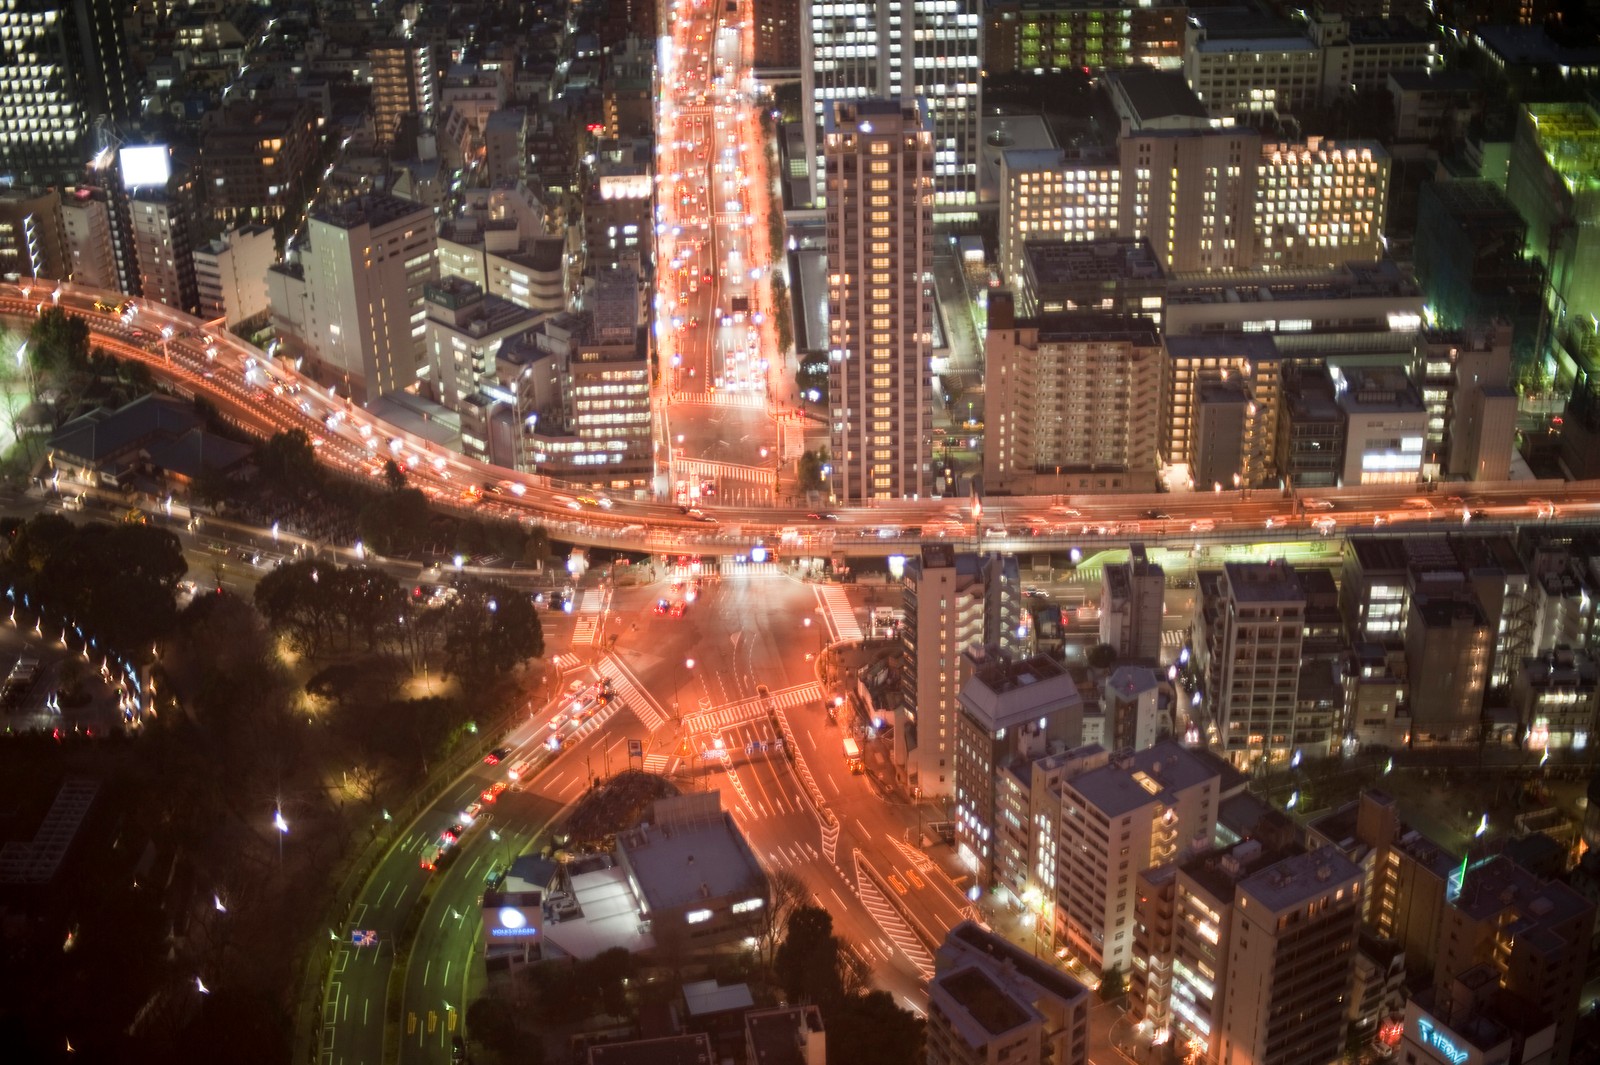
x: 984, y: 999
x: 692, y: 1049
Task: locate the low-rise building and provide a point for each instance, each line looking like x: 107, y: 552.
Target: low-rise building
x: 231, y: 274
x: 990, y: 1002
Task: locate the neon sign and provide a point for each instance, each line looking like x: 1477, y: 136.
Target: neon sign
x: 1434, y: 1038
x: 513, y: 922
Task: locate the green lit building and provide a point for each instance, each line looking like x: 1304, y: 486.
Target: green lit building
x: 1554, y: 183
x: 1048, y: 36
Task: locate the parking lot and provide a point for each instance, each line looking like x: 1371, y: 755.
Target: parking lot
x: 47, y: 703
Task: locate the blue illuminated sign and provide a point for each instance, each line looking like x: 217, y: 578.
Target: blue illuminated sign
x: 1436, y: 1039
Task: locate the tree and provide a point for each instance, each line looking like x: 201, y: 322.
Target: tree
x: 810, y: 469
x: 785, y: 892
x: 1102, y: 656
x: 807, y: 962
x: 58, y: 343
x: 871, y: 1027
x: 395, y: 522
x: 394, y: 478
x: 489, y: 630
x: 288, y: 462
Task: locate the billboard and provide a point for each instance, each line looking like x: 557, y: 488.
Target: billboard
x: 145, y: 165
x: 511, y: 917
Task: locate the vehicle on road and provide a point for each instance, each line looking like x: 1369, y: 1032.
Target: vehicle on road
x: 852, y: 755
x: 494, y: 756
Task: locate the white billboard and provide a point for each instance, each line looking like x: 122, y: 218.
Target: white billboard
x: 145, y: 165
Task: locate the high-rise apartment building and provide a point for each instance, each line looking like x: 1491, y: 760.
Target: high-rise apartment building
x: 87, y: 226
x: 952, y: 602
x: 1012, y: 713
x: 402, y: 85
x: 1133, y: 596
x: 1137, y: 810
x: 1474, y: 1020
x: 1249, y: 627
x: 466, y: 328
x: 779, y: 34
x: 879, y: 166
x: 1073, y: 402
x: 887, y: 49
x: 65, y: 84
x: 255, y: 158
x: 989, y: 1002
x: 1535, y: 933
x: 354, y: 302
x: 163, y: 219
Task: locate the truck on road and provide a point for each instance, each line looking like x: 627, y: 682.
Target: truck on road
x: 852, y: 755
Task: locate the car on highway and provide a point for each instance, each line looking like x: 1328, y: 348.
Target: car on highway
x: 678, y: 609
x: 520, y: 770
x: 1317, y: 504
x: 494, y: 756
x: 662, y: 606
x: 493, y: 792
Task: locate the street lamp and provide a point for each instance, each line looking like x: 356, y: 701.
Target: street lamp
x: 282, y: 826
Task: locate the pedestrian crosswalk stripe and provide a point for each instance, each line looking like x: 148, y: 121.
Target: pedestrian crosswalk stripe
x: 643, y: 706
x: 565, y: 661
x: 721, y: 717
x: 845, y: 625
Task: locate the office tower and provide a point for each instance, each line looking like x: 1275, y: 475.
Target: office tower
x: 33, y: 242
x: 988, y: 998
x: 1386, y: 425
x: 1550, y: 184
x: 65, y: 84
x: 879, y: 161
x: 1133, y: 597
x: 354, y: 301
x: 1138, y: 810
x: 1052, y: 36
x: 886, y: 49
x: 466, y: 329
x: 1249, y: 627
x: 163, y: 224
x: 778, y: 34
x: 231, y: 274
x: 1311, y: 427
x: 952, y: 602
x: 1473, y: 262
x: 1535, y: 933
x: 1465, y: 378
x: 1073, y: 401
x: 1012, y: 713
x: 402, y: 86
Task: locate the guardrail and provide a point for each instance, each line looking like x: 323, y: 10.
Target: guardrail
x: 826, y: 818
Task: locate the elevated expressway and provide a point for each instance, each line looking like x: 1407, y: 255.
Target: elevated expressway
x: 264, y: 396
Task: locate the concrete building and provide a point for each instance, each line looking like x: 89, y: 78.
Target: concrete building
x: 618, y: 226
x: 465, y: 330
x: 1138, y: 810
x: 1106, y: 275
x: 785, y: 1035
x: 1408, y: 879
x: 256, y: 159
x: 1464, y: 377
x: 1013, y: 712
x: 1135, y: 702
x: 163, y: 241
x: 354, y: 301
x: 876, y: 52
x: 690, y: 860
x: 1133, y: 597
x: 879, y: 164
x: 505, y: 146
x: 1551, y: 183
x: 951, y: 602
x: 1449, y: 641
x: 402, y: 86
x: 1473, y: 1021
x: 1289, y: 959
x: 1311, y: 430
x: 32, y: 238
x: 1051, y: 36
x: 1249, y: 629
x: 1534, y: 934
x: 1474, y: 265
x: 87, y: 230
x: 1386, y: 426
x: 779, y: 36
x: 1556, y: 697
x: 231, y: 274
x: 1073, y: 401
x: 990, y: 1002
x: 1235, y: 378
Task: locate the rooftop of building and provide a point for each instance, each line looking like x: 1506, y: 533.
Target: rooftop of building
x: 982, y: 1002
x: 1155, y: 774
x: 1376, y: 390
x: 1531, y: 45
x: 1477, y: 201
x: 775, y: 1034
x: 679, y: 863
x: 1219, y: 871
x: 703, y: 997
x: 1309, y: 397
x: 1004, y: 692
x: 1299, y: 878
x: 1353, y: 280
x: 1499, y: 888
x: 1066, y: 327
x: 1144, y: 94
x: 1130, y: 682
x: 1060, y: 262
x: 968, y: 942
x: 1414, y: 80
x: 689, y: 1049
x: 371, y: 209
x: 1255, y: 347
x: 857, y: 115
x: 1447, y: 611
x: 1569, y: 136
x: 1263, y: 582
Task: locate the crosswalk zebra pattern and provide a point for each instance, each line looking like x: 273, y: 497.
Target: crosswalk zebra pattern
x: 748, y: 570
x: 845, y: 625
x: 1173, y: 638
x: 889, y: 920
x: 584, y: 628
x: 565, y: 661
x: 593, y: 601
x: 723, y: 398
x: 657, y: 763
x: 751, y: 709
x: 643, y: 705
